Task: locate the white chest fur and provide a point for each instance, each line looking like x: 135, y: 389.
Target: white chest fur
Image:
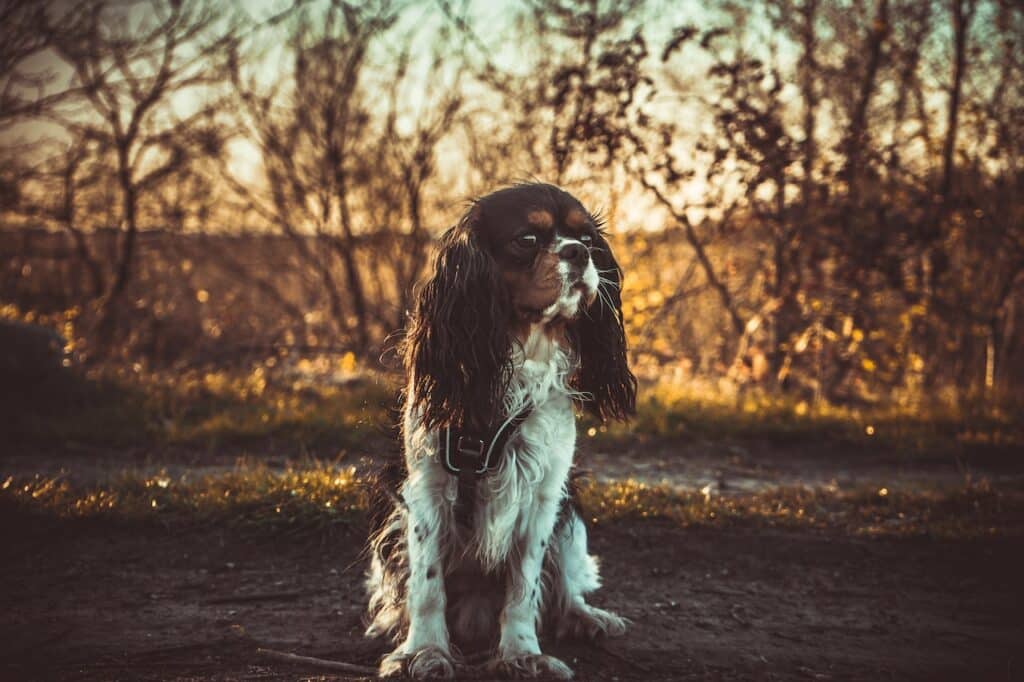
x: 536, y: 461
x: 533, y: 467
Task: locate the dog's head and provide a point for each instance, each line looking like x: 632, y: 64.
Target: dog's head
x: 522, y: 256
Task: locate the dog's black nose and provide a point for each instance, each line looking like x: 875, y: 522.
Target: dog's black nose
x: 575, y: 253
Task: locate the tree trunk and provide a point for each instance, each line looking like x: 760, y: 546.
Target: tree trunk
x: 129, y: 206
x: 858, y: 118
x: 345, y: 249
x: 963, y: 12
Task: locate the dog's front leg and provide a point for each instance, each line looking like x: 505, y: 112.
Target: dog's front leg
x: 425, y: 653
x: 518, y: 649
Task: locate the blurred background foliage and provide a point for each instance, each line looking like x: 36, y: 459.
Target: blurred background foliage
x: 816, y: 202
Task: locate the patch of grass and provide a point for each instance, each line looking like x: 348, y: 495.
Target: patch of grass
x: 679, y: 412
x: 967, y: 511
x: 211, y: 409
x: 70, y: 409
x: 305, y: 411
x: 217, y: 408
x: 316, y: 497
x: 298, y: 404
x: 307, y: 499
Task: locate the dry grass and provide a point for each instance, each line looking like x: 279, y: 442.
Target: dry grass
x: 311, y: 403
x: 303, y: 499
x: 315, y: 497
x: 203, y: 408
x: 687, y: 411
x: 966, y: 511
x: 305, y: 408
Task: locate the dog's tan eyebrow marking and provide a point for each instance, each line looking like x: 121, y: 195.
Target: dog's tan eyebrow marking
x: 540, y: 218
x: 577, y: 219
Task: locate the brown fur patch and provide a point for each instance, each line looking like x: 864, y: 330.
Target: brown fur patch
x: 558, y: 332
x: 541, y: 218
x: 535, y: 290
x: 577, y: 219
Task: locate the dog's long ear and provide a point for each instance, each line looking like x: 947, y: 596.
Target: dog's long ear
x: 458, y: 343
x: 600, y: 341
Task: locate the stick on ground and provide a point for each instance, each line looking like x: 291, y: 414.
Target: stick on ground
x: 318, y: 662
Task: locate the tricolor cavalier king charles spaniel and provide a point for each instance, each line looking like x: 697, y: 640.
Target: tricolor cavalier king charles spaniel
x: 481, y: 544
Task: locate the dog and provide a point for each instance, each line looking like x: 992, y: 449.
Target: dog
x: 482, y: 545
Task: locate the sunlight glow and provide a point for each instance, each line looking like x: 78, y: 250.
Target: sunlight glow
x: 312, y: 500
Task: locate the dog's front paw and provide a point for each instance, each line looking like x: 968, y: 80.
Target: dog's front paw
x: 428, y: 663
x: 591, y: 622
x: 528, y: 666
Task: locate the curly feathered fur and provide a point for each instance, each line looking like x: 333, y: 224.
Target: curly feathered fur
x: 503, y: 321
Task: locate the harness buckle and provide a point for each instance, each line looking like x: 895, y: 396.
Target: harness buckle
x: 468, y: 454
x: 474, y: 447
x: 470, y: 446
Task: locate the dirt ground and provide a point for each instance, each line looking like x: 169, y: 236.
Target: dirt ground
x: 92, y: 601
x: 734, y: 467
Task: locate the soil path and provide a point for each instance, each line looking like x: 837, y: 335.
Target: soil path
x: 95, y: 601
x: 84, y: 601
x: 724, y: 468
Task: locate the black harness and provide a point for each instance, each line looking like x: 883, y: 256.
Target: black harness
x: 471, y: 455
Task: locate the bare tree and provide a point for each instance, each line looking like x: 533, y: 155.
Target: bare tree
x: 22, y: 90
x: 570, y: 117
x: 26, y: 92
x: 135, y: 67
x: 310, y: 137
x: 403, y: 164
x: 347, y: 162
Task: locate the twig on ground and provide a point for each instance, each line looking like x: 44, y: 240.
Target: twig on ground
x: 318, y: 662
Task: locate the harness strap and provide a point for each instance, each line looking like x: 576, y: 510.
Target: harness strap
x: 470, y: 457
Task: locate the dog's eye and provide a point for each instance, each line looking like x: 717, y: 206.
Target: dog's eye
x: 587, y: 239
x: 527, y: 241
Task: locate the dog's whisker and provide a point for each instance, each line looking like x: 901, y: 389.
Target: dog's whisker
x: 605, y: 299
